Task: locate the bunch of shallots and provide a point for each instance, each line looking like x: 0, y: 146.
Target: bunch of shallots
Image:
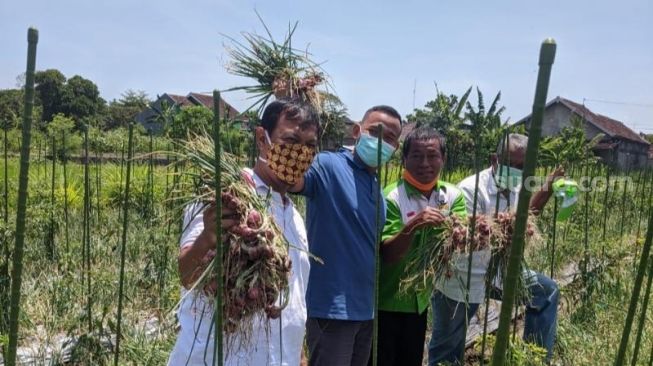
x: 435, y: 248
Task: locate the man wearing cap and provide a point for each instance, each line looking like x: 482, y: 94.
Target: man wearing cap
x: 498, y: 188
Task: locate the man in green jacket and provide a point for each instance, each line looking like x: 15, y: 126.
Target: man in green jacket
x: 417, y: 205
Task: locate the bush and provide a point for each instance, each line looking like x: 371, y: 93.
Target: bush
x: 59, y: 126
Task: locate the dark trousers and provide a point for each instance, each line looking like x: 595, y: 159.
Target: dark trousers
x: 401, y: 339
x: 449, y: 317
x: 333, y: 342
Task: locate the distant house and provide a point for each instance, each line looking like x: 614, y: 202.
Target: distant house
x: 148, y: 119
x: 621, y: 147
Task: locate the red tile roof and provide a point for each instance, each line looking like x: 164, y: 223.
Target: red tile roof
x: 180, y: 99
x: 406, y: 129
x: 202, y: 99
x: 207, y: 101
x: 610, y: 126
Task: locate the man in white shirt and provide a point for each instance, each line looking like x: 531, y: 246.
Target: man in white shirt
x: 284, y: 123
x: 498, y: 189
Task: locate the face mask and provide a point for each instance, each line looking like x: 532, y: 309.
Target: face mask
x: 417, y: 184
x: 288, y: 162
x: 507, y: 177
x: 366, y: 149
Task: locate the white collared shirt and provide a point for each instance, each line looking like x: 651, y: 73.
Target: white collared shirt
x: 268, y: 345
x: 486, y: 204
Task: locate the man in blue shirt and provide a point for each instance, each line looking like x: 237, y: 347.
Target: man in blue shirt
x: 342, y: 193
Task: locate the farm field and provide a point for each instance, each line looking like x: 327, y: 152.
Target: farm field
x: 133, y: 232
x: 602, y: 241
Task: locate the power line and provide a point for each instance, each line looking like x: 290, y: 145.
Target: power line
x: 617, y: 102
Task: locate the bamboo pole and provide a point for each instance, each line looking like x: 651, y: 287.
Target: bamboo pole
x: 21, y: 207
x: 554, y: 225
x: 642, y: 315
x: 87, y: 234
x: 6, y: 181
x: 377, y: 244
x: 642, y: 211
x: 586, y: 249
x: 5, y: 282
x: 470, y: 243
x: 98, y: 186
x: 218, y: 351
x: 65, y: 190
x: 51, y: 233
x: 547, y: 56
x: 150, y: 181
x: 637, y: 287
x: 123, y: 246
x: 491, y: 267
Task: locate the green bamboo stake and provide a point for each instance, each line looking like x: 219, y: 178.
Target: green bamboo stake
x: 123, y: 246
x: 122, y: 163
x: 21, y: 206
x: 4, y: 270
x: 218, y: 356
x: 150, y: 181
x: 547, y: 56
x: 6, y: 181
x: 52, y: 248
x: 377, y: 261
x: 642, y: 211
x: 492, y: 265
x: 642, y: 315
x: 586, y: 248
x: 65, y: 191
x: 554, y: 225
x: 623, y: 345
x: 87, y: 232
x: 98, y: 187
x: 605, y: 210
x: 385, y: 171
x: 623, y: 213
x: 633, y: 208
x: 471, y: 236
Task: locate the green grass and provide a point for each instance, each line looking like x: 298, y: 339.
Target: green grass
x: 53, y: 300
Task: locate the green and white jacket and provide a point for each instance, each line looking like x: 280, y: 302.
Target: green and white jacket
x: 403, y: 203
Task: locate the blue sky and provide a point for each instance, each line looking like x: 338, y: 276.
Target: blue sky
x: 374, y: 51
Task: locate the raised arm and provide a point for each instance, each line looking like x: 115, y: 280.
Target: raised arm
x: 541, y: 197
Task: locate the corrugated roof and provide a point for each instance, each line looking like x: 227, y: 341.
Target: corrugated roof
x: 608, y: 125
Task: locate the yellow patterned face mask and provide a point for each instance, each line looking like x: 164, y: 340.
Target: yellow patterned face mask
x: 289, y: 162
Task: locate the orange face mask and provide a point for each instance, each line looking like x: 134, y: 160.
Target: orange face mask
x: 415, y: 183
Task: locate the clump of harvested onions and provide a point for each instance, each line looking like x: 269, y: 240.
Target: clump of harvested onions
x: 256, y: 265
x: 431, y: 259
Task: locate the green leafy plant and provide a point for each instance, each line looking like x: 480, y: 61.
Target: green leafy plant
x: 279, y: 69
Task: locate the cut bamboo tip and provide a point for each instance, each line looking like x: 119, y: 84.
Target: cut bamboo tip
x: 32, y: 35
x: 548, y: 51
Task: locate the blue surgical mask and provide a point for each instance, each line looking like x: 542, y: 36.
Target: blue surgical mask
x: 507, y: 177
x: 366, y: 149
